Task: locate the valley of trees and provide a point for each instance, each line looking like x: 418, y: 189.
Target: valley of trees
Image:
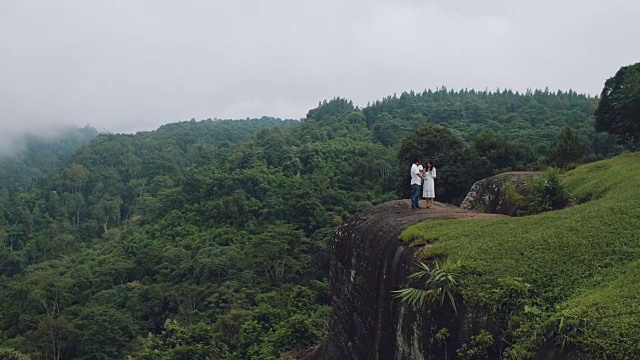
x: 210, y: 239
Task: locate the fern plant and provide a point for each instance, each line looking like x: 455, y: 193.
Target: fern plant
x: 441, y: 283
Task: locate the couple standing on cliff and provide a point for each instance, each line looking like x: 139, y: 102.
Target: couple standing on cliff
x: 422, y: 176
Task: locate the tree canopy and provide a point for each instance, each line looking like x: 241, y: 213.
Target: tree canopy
x: 618, y: 111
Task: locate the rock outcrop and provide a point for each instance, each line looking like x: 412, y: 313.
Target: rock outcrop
x: 369, y: 263
x: 494, y: 195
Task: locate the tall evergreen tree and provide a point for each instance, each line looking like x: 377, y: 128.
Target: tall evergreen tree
x: 618, y: 112
x: 568, y: 149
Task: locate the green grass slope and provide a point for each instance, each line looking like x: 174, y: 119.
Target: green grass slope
x: 571, y: 276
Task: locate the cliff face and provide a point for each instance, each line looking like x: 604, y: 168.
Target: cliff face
x: 369, y: 263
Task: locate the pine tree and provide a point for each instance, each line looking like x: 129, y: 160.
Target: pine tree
x: 569, y: 148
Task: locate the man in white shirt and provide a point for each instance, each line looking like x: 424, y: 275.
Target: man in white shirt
x: 416, y: 180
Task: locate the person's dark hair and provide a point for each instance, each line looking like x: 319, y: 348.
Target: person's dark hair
x: 416, y: 160
x: 430, y: 164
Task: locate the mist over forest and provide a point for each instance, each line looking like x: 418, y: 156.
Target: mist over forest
x: 173, y: 176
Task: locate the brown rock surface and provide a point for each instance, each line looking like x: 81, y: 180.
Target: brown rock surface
x: 369, y: 263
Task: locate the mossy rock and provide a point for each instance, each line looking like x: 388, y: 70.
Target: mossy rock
x: 498, y: 194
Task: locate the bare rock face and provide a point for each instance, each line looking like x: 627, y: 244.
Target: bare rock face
x: 369, y: 263
x: 494, y: 195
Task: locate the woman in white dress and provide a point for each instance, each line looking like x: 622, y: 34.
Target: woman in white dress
x: 429, y: 188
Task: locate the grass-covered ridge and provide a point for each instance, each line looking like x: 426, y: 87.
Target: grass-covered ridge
x: 582, y: 263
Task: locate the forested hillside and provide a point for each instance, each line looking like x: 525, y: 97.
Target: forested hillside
x: 209, y: 238
x: 30, y: 157
x: 534, y: 118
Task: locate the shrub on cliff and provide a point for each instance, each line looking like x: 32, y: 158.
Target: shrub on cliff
x: 546, y: 193
x: 441, y: 284
x: 477, y: 348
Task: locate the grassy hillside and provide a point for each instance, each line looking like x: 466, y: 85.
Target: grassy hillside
x: 571, y: 276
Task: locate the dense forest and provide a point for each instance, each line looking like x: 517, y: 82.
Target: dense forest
x: 30, y: 157
x: 209, y: 239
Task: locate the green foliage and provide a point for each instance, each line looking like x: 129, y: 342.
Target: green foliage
x: 325, y: 110
x: 497, y: 154
x: 297, y: 331
x: 519, y: 351
x: 512, y: 296
x: 178, y: 342
x: 512, y: 198
x: 568, y: 150
x: 10, y: 354
x: 568, y: 276
x: 603, y: 320
x: 104, y: 331
x: 35, y: 157
x: 547, y: 192
x: 442, y: 335
x: 478, y: 348
x: 618, y: 111
x: 441, y: 284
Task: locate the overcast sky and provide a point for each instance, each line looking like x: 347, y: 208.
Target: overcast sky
x: 126, y: 65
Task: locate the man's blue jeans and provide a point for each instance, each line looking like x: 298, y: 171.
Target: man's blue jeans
x: 415, y: 195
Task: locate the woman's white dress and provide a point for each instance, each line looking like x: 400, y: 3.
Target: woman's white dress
x: 429, y: 187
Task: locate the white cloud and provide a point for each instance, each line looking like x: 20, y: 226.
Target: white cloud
x: 131, y: 64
